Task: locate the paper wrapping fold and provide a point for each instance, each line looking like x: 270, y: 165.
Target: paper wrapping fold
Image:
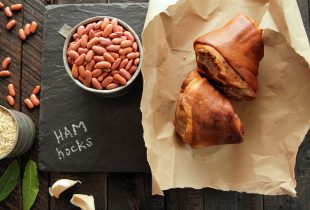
x: 275, y: 123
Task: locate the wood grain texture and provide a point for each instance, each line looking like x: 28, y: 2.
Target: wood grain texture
x: 172, y: 199
x: 220, y: 200
x: 190, y: 199
x: 128, y: 1
x: 10, y: 45
x: 132, y: 191
x: 31, y: 71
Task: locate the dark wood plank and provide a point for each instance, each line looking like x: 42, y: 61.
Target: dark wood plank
x: 220, y: 200
x: 128, y: 1
x: 191, y: 199
x: 132, y: 191
x: 155, y: 202
x: 172, y: 199
x: 10, y: 45
x: 92, y: 184
x: 31, y: 70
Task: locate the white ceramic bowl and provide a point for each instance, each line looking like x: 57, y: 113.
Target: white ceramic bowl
x: 106, y: 93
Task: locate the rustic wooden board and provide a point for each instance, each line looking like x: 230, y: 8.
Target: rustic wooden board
x: 31, y: 73
x: 10, y: 45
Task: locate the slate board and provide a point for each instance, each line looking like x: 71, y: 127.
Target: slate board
x: 80, y: 131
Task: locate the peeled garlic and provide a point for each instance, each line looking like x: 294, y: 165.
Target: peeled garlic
x: 61, y: 185
x: 85, y: 202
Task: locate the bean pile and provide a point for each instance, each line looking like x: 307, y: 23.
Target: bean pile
x: 103, y: 54
x: 24, y: 33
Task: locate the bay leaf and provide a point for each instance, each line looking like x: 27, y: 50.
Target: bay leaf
x: 30, y: 184
x: 8, y: 180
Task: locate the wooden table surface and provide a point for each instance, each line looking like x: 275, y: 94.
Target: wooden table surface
x: 120, y: 191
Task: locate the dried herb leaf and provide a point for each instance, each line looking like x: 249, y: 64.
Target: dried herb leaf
x: 8, y: 180
x: 30, y: 185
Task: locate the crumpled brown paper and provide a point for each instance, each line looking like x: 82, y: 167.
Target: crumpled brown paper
x: 275, y: 123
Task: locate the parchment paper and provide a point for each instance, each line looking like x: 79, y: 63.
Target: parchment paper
x: 275, y: 123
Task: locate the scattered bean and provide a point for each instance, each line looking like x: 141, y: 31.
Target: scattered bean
x: 36, y: 90
x: 11, y: 100
x: 22, y: 35
x: 11, y: 24
x: 8, y: 12
x: 5, y: 73
x: 34, y: 100
x: 27, y: 29
x: 16, y: 7
x: 11, y: 90
x: 33, y: 27
x: 6, y: 63
x: 28, y: 103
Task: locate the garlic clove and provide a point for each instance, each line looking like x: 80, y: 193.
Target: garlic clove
x: 85, y: 202
x: 61, y: 185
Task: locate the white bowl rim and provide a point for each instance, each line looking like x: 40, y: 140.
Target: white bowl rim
x: 115, y: 90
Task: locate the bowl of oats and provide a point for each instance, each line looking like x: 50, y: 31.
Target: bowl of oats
x: 17, y: 133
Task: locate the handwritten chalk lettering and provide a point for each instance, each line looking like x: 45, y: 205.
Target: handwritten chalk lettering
x: 67, y: 132
x: 74, y: 140
x: 59, y: 136
x: 74, y: 127
x: 77, y: 146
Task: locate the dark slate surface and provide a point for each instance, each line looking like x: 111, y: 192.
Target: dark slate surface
x: 94, y: 133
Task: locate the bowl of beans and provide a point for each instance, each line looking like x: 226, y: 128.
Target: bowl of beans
x: 103, y: 55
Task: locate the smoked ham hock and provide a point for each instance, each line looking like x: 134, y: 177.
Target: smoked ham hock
x: 230, y: 55
x: 227, y: 65
x: 204, y: 117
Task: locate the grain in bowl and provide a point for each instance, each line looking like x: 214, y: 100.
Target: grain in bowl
x: 8, y: 133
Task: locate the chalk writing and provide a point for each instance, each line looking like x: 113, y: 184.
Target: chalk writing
x: 71, y: 139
